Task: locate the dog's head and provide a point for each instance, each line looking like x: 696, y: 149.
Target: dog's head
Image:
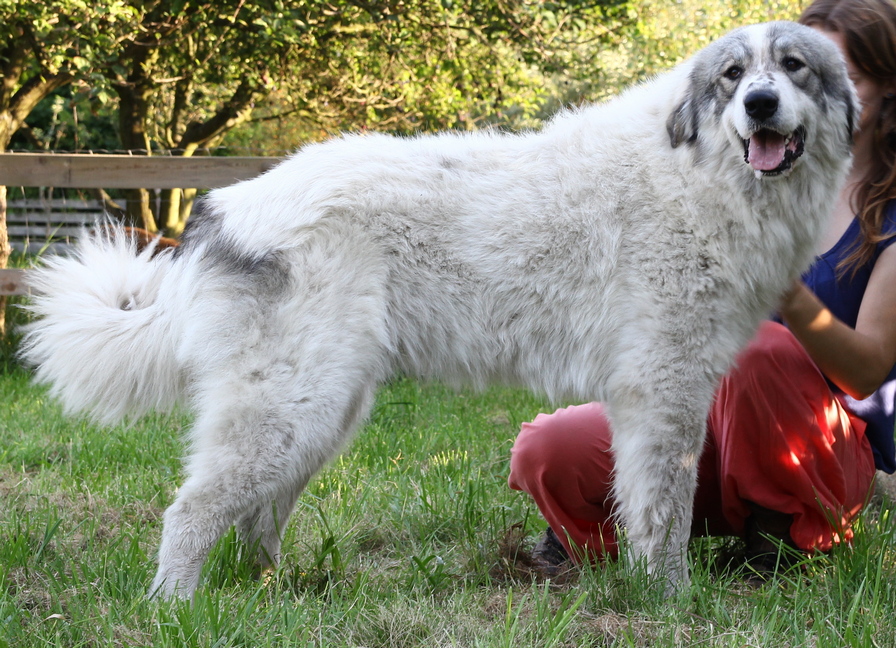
x: 776, y: 91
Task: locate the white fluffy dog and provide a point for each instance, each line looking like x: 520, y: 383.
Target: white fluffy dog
x: 624, y: 254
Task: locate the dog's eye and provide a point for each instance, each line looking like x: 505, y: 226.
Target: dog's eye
x: 792, y: 64
x: 734, y: 72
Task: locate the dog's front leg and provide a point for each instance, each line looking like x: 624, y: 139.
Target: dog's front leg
x: 657, y: 444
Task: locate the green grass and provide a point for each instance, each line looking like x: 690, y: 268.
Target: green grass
x: 411, y: 538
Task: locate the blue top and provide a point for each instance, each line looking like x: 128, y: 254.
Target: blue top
x: 843, y: 297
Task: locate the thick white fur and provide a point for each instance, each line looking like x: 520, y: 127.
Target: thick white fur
x: 624, y: 254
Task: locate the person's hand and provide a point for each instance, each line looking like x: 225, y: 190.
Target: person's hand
x: 798, y: 302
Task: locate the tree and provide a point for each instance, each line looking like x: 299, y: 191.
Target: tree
x: 195, y: 70
x: 44, y: 46
x: 665, y: 33
x: 186, y: 73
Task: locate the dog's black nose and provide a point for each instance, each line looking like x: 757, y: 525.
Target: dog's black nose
x: 761, y: 104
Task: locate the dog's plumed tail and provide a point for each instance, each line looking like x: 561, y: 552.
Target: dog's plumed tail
x: 105, y: 328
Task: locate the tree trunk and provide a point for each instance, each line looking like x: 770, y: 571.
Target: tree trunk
x: 133, y: 115
x: 178, y: 203
x: 138, y: 212
x: 176, y: 207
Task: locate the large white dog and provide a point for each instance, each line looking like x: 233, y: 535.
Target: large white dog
x: 625, y: 254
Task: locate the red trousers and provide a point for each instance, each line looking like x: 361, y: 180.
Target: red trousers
x: 777, y: 437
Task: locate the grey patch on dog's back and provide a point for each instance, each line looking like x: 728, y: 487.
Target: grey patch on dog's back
x: 449, y: 163
x: 204, y: 223
x: 262, y: 273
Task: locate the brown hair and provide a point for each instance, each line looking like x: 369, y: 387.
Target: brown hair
x: 868, y: 28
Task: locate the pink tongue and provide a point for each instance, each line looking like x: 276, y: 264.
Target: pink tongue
x: 766, y: 151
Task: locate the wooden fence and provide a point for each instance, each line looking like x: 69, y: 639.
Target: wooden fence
x: 48, y: 225
x: 77, y: 171
x: 36, y: 223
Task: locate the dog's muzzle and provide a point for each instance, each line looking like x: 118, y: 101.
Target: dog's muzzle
x: 768, y: 151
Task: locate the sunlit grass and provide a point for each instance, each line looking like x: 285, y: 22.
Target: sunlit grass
x: 408, y: 539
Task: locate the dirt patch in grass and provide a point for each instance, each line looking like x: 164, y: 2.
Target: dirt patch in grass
x: 515, y: 562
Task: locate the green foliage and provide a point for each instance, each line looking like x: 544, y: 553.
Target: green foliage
x: 405, y: 66
x: 665, y: 33
x: 45, y: 45
x: 73, y: 118
x: 303, y: 69
x: 64, y: 34
x: 659, y: 35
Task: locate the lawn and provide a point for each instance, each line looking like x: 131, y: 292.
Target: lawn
x: 410, y: 538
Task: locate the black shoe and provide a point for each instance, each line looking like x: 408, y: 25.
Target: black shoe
x: 549, y: 553
x: 769, y: 546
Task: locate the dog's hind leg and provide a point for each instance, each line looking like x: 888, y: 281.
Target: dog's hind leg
x: 252, y: 457
x: 262, y: 528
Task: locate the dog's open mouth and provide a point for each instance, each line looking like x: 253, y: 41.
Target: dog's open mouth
x: 771, y: 153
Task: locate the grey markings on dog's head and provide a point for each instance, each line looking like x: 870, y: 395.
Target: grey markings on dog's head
x: 707, y: 86
x: 828, y: 82
x: 746, y: 65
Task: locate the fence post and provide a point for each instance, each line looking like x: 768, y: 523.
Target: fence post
x: 4, y: 254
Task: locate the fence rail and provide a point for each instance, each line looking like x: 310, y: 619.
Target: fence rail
x: 84, y: 171
x: 50, y: 225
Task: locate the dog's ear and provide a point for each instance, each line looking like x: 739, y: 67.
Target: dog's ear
x: 841, y: 89
x: 837, y: 84
x: 682, y: 122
